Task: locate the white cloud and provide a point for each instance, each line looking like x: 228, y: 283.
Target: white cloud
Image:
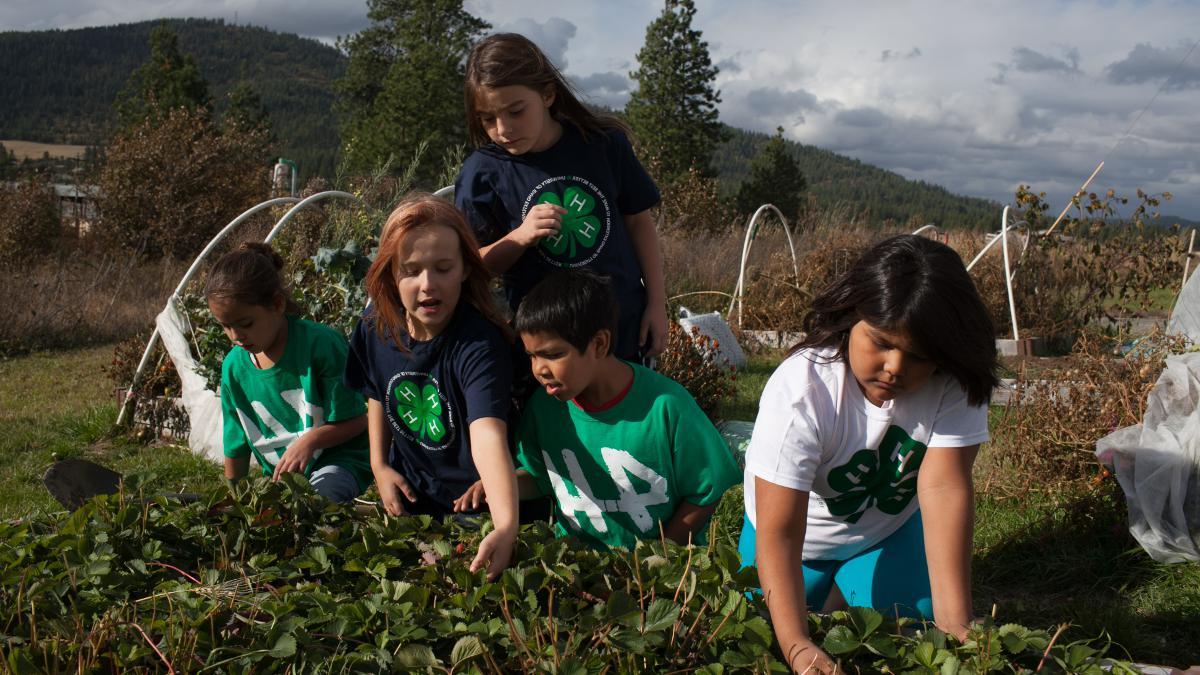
x: 978, y: 96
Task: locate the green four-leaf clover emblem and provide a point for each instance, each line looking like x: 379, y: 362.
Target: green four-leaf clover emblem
x: 579, y: 226
x: 866, y: 481
x: 421, y: 410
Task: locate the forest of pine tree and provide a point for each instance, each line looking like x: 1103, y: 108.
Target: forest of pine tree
x: 59, y: 86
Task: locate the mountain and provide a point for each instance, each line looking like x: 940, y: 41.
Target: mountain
x: 58, y: 86
x: 837, y: 180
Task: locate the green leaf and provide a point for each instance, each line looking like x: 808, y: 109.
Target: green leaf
x: 284, y: 647
x: 865, y: 620
x: 661, y: 615
x: 951, y: 666
x: 883, y: 645
x: 622, y: 608
x: 840, y: 640
x: 466, y: 649
x: 416, y: 656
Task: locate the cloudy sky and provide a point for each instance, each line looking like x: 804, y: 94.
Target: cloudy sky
x: 977, y: 96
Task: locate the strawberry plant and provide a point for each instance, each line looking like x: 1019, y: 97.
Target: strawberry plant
x: 269, y: 577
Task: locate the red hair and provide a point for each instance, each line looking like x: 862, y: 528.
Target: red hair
x: 418, y: 210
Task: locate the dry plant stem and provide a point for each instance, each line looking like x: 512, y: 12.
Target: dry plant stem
x: 170, y: 668
x: 1062, y: 627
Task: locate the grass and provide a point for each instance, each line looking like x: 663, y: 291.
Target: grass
x: 1039, y: 561
x: 58, y: 405
x: 31, y: 150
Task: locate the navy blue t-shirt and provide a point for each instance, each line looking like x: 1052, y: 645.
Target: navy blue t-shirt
x: 431, y: 395
x: 599, y: 181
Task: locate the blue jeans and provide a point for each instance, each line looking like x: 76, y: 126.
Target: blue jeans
x: 334, y: 483
x: 891, y: 576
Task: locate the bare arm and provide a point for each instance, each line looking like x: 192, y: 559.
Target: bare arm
x: 644, y: 236
x: 543, y: 220
x: 301, y: 451
x: 489, y: 449
x: 391, y: 484
x: 687, y: 520
x: 782, y: 520
x: 527, y: 486
x: 947, y: 498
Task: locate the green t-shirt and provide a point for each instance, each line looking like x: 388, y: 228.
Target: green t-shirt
x: 265, y: 410
x: 616, y: 474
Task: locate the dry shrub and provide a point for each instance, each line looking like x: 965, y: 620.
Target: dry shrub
x: 72, y: 300
x: 691, y: 205
x: 169, y: 185
x: 702, y: 271
x: 155, y: 407
x: 689, y: 361
x: 1046, y: 437
x: 29, y: 221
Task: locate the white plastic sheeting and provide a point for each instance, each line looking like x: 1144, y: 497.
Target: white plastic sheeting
x: 1185, y: 318
x: 1157, y: 463
x: 711, y: 325
x: 202, y: 405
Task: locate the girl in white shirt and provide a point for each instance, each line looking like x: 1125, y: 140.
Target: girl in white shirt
x: 858, y: 475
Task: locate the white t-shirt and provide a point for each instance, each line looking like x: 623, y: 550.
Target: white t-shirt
x: 817, y: 432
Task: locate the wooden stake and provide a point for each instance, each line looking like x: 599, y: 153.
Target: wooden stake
x: 1072, y: 200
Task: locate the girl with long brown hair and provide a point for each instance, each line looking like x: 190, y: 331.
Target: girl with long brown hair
x: 433, y: 357
x: 553, y: 185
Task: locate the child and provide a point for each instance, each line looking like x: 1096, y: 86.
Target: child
x: 622, y: 449
x: 893, y: 376
x: 555, y: 186
x: 281, y: 385
x: 432, y: 356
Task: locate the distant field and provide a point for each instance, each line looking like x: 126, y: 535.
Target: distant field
x: 31, y: 150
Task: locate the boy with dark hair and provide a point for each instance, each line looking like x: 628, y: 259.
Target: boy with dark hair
x: 623, y: 450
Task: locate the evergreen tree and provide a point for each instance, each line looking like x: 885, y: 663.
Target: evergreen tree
x: 168, y: 80
x: 673, y: 111
x: 775, y: 178
x: 246, y: 109
x: 404, y: 82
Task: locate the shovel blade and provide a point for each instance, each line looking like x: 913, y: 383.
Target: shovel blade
x: 74, y: 481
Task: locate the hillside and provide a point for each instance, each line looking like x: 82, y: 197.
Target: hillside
x: 58, y: 87
x: 839, y: 180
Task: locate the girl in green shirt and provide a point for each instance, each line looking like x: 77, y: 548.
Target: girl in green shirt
x: 282, y: 397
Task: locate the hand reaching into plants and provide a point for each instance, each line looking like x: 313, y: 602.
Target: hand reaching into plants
x: 543, y: 220
x: 471, y: 499
x: 653, y: 333
x: 392, y: 486
x: 495, y: 551
x: 296, y: 458
x: 807, y: 658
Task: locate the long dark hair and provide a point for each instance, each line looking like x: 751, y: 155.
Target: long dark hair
x: 507, y: 59
x: 918, y: 286
x: 251, y: 274
x: 418, y: 210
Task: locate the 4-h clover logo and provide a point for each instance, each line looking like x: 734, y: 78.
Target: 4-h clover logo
x: 579, y: 226
x: 421, y: 410
x: 866, y: 481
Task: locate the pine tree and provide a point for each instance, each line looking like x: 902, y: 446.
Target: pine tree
x: 775, y: 178
x: 404, y: 84
x: 246, y: 109
x: 673, y: 112
x: 168, y: 80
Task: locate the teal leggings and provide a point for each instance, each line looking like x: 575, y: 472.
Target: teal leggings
x: 891, y: 576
